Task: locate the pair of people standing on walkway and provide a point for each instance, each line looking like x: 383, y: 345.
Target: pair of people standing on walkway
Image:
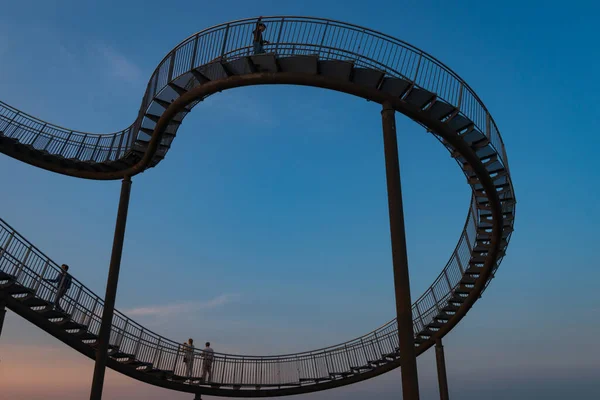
x: 188, y: 360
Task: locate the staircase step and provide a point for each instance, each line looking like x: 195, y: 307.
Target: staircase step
x: 213, y: 71
x: 241, y: 66
x: 342, y: 374
x: 419, y: 97
x: 473, y: 271
x: 459, y: 122
x: 71, y: 325
x: 443, y: 317
x: 17, y: 288
x: 85, y: 335
x: 456, y: 299
x: 436, y: 325
x: 439, y: 110
x: 337, y: 69
x: 178, y: 89
x: 137, y: 363
x: 120, y: 354
x: 161, y: 373
x: 362, y: 368
x: 426, y: 333
x: 265, y: 63
x: 32, y: 301
x: 468, y: 280
x: 450, y: 308
x: 299, y: 64
x: 6, y: 277
x: 463, y: 289
x: 394, y: 86
x: 50, y: 313
x: 367, y: 77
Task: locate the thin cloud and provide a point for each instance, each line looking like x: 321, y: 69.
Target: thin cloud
x: 186, y: 307
x: 119, y: 65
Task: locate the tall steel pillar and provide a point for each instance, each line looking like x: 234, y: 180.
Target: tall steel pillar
x: 441, y: 369
x: 408, y: 357
x: 2, y: 314
x: 111, y: 292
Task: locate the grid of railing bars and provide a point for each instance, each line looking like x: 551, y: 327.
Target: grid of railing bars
x: 366, y: 47
x: 59, y: 141
x: 329, y: 40
x: 23, y: 260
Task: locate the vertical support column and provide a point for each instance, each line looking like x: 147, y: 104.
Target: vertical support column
x: 408, y: 358
x: 111, y: 292
x: 441, y: 370
x: 2, y: 314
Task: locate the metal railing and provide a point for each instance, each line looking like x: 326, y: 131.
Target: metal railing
x: 31, y: 267
x: 288, y: 36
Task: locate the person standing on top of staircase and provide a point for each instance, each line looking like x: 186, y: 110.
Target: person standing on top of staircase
x: 188, y: 357
x: 64, y: 283
x: 208, y: 354
x: 258, y: 40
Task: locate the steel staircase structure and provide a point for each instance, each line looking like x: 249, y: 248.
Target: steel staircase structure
x: 302, y: 51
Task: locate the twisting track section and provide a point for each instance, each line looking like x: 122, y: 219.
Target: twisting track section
x: 302, y: 51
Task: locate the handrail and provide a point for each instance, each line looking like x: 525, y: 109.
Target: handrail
x: 89, y: 306
x: 329, y: 39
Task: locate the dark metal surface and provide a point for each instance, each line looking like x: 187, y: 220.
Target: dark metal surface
x: 2, y: 314
x: 409, y: 80
x: 441, y: 370
x: 111, y: 292
x: 408, y: 361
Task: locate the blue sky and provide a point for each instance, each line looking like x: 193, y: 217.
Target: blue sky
x: 265, y: 229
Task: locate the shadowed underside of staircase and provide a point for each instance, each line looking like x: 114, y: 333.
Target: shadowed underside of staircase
x: 302, y: 51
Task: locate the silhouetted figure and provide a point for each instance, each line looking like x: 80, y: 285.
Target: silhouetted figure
x: 64, y: 281
x: 188, y: 357
x: 258, y: 40
x: 208, y: 354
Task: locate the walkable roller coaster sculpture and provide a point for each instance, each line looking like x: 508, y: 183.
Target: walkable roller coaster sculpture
x: 301, y: 51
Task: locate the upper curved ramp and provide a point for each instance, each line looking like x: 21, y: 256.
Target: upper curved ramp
x: 370, y: 59
x: 304, y: 51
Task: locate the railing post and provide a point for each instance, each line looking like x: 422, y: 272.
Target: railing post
x: 171, y: 66
x: 22, y: 263
x: 417, y: 69
x: 441, y: 370
x: 65, y: 143
x: 224, y: 42
x: 74, y: 303
x: 92, y: 311
x: 3, y: 250
x: 111, y: 292
x: 460, y: 95
x: 406, y: 338
x: 81, y: 147
x: 176, y: 357
x: 279, y: 34
x: 41, y: 276
x: 194, y: 53
x: 447, y: 280
x: 2, y: 314
x: 460, y: 266
x: 323, y: 38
